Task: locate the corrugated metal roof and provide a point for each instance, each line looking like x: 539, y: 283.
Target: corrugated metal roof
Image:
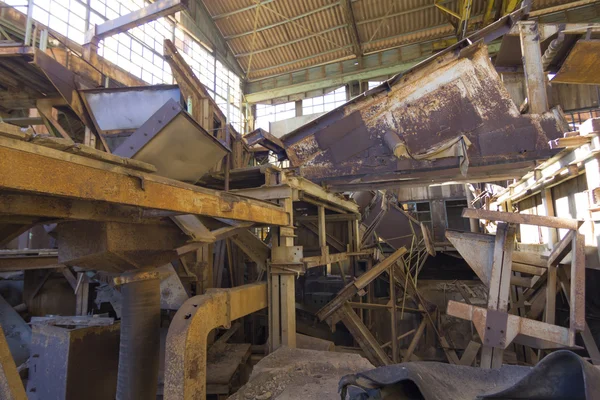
x: 272, y: 37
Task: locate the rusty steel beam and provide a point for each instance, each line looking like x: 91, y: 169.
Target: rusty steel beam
x: 151, y: 12
x: 39, y: 170
x: 185, y: 359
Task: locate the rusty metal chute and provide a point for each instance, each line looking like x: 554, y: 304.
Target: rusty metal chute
x: 454, y: 102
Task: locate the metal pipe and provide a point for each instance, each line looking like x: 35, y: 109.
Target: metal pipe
x: 185, y: 358
x: 140, y: 336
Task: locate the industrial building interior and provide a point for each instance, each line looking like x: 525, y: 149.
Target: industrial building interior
x: 319, y: 199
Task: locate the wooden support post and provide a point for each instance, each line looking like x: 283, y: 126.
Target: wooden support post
x: 288, y: 310
x: 415, y: 340
x: 11, y: 387
x: 577, y: 294
x: 535, y: 79
x: 548, y: 205
x: 586, y: 335
x: 498, y: 297
x: 373, y: 351
x: 550, y: 310
x: 394, y: 314
x: 82, y: 293
x: 282, y: 311
x: 592, y: 176
x: 323, y: 236
x: 274, y: 313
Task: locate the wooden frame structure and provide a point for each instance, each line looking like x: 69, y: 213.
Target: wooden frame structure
x: 503, y: 321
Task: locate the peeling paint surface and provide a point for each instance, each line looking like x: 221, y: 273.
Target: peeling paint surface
x: 456, y: 94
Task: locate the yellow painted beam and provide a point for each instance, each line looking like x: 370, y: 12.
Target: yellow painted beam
x: 40, y: 170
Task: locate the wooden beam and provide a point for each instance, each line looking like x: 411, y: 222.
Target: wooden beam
x: 319, y: 193
x: 415, y: 340
x: 31, y: 205
x: 540, y: 220
x: 373, y: 351
x: 535, y: 78
x: 561, y: 250
x: 11, y: 386
x: 331, y: 240
x: 577, y: 295
x: 85, y: 179
x: 20, y: 263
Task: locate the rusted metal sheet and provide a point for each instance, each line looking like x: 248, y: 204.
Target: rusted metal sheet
x: 172, y: 141
x: 581, y: 65
x: 390, y: 223
x: 126, y: 108
x: 265, y: 139
x: 74, y: 363
x: 455, y: 94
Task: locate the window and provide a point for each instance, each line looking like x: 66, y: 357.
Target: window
x: 421, y: 210
x: 140, y: 50
x: 324, y: 103
x: 373, y: 84
x: 266, y: 113
x: 198, y: 58
x: 454, y: 218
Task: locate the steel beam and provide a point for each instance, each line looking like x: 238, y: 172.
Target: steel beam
x: 301, y: 39
x: 357, y: 73
x: 186, y: 352
x: 352, y: 29
x: 156, y: 10
x: 69, y: 175
x: 287, y: 21
x: 241, y: 10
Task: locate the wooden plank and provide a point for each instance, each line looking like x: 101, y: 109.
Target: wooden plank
x: 561, y: 249
x: 394, y: 315
x: 550, y: 310
x: 530, y: 258
x: 577, y: 295
x: 366, y: 278
x: 588, y: 338
x: 72, y: 176
x: 373, y: 351
x: 70, y: 277
x: 415, y: 340
x: 469, y: 354
x: 541, y: 220
x: 11, y: 386
x: 288, y: 310
x: 274, y: 313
